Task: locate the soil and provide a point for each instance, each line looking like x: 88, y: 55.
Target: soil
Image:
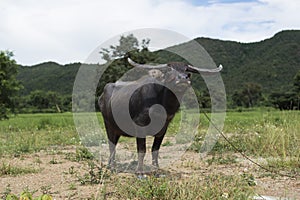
x: 58, y: 174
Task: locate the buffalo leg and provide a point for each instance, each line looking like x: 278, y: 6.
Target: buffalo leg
x: 155, y: 148
x: 141, y: 149
x: 112, y: 140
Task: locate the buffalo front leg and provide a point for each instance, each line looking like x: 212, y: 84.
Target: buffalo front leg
x: 112, y: 141
x: 141, y: 149
x: 155, y: 148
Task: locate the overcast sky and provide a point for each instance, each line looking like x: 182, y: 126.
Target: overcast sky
x: 67, y: 31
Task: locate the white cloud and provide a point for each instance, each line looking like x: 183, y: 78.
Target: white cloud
x: 67, y: 31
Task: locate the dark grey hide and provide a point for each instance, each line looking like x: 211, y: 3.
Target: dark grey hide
x: 175, y: 75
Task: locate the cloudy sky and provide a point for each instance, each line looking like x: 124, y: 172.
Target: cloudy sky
x: 67, y: 31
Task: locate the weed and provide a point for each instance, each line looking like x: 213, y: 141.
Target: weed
x: 249, y: 178
x: 46, y: 189
x: 95, y: 175
x: 167, y: 143
x: 72, y: 170
x: 222, y: 160
x: 53, y: 161
x: 6, y: 192
x: 38, y: 161
x: 26, y: 194
x: 212, y: 187
x: 43, y: 123
x: 7, y: 169
x: 72, y: 186
x: 290, y: 165
x: 83, y: 153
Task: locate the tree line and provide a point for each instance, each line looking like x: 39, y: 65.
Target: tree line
x: 11, y: 101
x: 251, y: 95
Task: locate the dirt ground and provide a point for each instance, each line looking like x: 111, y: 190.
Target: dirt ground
x: 58, y: 174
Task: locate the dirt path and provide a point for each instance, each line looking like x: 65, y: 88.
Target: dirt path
x: 58, y: 172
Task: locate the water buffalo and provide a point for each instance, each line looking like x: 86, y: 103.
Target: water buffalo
x: 164, y: 85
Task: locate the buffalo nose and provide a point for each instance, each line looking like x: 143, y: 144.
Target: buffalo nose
x: 185, y: 81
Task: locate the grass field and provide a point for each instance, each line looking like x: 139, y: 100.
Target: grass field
x: 28, y: 133
x: 270, y: 136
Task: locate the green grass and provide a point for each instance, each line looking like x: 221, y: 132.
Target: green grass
x: 272, y: 135
x: 29, y: 122
x: 208, y: 187
x: 28, y: 133
x: 8, y: 169
x: 261, y: 134
x: 266, y: 134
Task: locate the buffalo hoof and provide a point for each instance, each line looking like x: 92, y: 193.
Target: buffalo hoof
x: 142, y: 176
x: 160, y: 175
x: 112, y: 169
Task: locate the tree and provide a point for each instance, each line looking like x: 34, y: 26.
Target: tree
x: 38, y: 99
x: 8, y: 84
x: 282, y: 100
x: 126, y: 44
x: 297, y: 82
x: 297, y: 90
x: 45, y: 101
x: 237, y: 98
x: 117, y: 55
x: 288, y: 100
x: 250, y: 95
x: 203, y: 98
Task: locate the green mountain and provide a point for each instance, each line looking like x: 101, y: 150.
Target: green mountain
x: 48, y: 76
x: 272, y: 63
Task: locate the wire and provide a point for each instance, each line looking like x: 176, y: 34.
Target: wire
x: 244, y: 155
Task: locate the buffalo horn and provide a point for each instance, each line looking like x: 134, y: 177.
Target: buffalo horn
x: 134, y: 64
x: 193, y: 69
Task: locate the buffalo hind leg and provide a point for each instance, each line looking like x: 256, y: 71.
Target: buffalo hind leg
x: 112, y: 141
x: 141, y: 149
x: 155, y: 148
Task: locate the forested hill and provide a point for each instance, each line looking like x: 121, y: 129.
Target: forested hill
x: 48, y: 76
x: 272, y: 63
